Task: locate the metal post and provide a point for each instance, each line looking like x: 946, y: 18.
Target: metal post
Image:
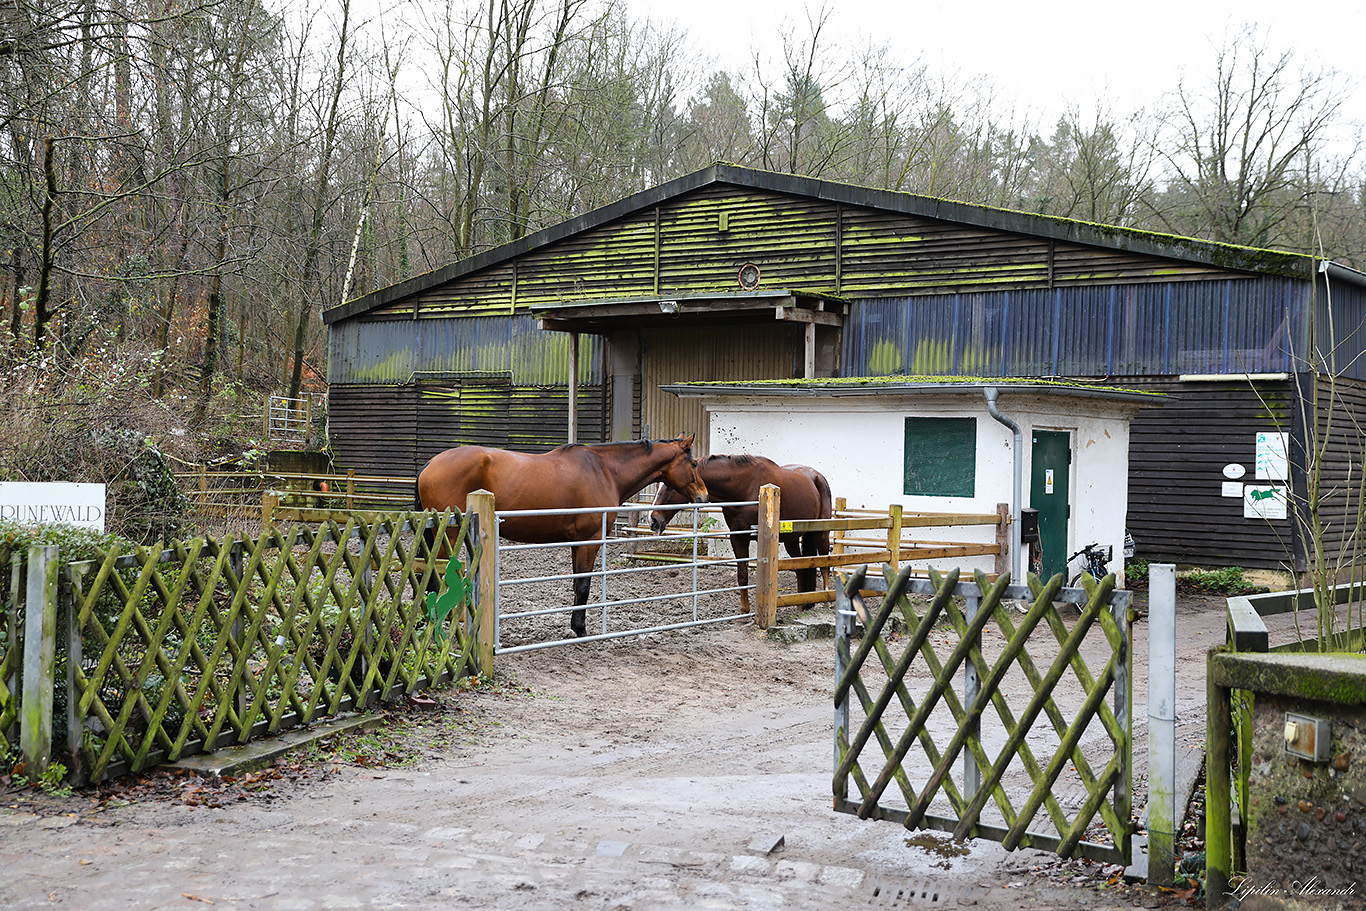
x: 40, y: 658
x: 602, y: 568
x: 972, y: 686
x: 696, y: 516
x: 1161, y: 723
x: 766, y: 558
x: 573, y: 435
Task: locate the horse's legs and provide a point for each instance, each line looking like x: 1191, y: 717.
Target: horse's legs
x: 584, y: 555
x: 817, y: 544
x: 739, y: 545
x: 797, y: 547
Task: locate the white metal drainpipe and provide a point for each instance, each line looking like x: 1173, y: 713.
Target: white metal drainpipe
x: 1017, y: 490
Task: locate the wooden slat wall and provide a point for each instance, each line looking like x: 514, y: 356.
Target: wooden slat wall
x: 373, y: 429
x: 1344, y: 461
x: 394, y: 430
x: 1177, y: 454
x: 798, y: 242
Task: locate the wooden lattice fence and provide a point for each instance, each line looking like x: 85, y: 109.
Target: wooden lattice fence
x: 1030, y: 754
x: 211, y: 642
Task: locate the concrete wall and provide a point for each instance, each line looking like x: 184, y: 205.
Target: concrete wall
x: 857, y: 442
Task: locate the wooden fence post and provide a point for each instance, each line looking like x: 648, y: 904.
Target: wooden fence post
x: 766, y: 558
x: 350, y: 488
x: 1218, y: 837
x: 75, y: 722
x: 1004, y: 556
x: 40, y: 658
x: 837, y: 537
x: 894, y: 534
x: 480, y: 505
x: 270, y: 501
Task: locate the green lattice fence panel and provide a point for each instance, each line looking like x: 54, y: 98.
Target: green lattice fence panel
x: 212, y: 642
x: 973, y: 708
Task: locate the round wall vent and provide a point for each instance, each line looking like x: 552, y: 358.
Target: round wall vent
x: 749, y: 276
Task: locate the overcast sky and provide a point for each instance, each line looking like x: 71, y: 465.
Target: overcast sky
x: 1045, y: 53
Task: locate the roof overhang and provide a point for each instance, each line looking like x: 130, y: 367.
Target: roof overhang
x: 728, y: 307
x: 885, y: 387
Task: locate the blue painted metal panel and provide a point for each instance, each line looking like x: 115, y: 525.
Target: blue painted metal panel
x: 1229, y: 326
x: 394, y: 351
x: 1343, y: 338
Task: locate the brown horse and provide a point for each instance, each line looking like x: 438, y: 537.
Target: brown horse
x: 805, y: 494
x: 568, y: 477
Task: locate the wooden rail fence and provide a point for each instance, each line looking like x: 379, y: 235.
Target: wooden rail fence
x: 889, y: 548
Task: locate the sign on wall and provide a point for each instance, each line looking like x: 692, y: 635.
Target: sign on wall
x: 28, y: 503
x: 1264, y: 501
x: 1273, y: 461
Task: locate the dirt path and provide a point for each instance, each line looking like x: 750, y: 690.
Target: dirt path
x: 651, y: 773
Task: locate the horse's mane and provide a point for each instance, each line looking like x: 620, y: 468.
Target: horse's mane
x: 647, y: 445
x: 740, y: 459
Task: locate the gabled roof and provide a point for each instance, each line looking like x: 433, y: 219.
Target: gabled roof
x: 1224, y: 256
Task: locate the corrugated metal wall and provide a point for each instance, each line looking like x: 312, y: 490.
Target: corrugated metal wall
x: 768, y: 351
x: 1225, y: 326
x: 1344, y: 333
x: 378, y: 352
x: 1177, y: 455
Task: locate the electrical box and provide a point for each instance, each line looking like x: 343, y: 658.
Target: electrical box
x: 1308, y: 738
x: 1029, y: 526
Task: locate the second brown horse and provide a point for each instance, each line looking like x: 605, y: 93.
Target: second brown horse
x: 602, y: 475
x: 804, y: 494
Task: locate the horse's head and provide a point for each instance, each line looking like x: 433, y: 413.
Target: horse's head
x: 680, y: 471
x: 660, y: 517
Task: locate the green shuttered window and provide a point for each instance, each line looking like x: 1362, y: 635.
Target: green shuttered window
x: 941, y: 457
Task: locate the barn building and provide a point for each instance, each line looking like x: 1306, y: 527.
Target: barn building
x: 731, y: 274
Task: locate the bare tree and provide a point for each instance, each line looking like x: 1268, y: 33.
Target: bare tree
x: 1233, y: 146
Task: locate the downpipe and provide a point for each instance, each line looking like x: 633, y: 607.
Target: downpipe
x: 1017, y: 482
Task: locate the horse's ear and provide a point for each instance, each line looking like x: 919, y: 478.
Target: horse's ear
x: 687, y: 440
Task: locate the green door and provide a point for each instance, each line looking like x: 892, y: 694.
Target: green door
x: 1049, y: 486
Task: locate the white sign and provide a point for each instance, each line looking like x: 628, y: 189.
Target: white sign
x: 26, y: 503
x: 1264, y: 501
x: 1233, y: 471
x: 1272, y: 461
x: 1233, y: 489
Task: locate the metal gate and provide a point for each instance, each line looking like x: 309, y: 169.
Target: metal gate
x: 528, y: 591
x: 1048, y: 769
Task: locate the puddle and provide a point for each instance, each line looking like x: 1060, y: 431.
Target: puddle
x: 940, y: 845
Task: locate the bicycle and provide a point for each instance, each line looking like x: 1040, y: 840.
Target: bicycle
x: 1094, y: 563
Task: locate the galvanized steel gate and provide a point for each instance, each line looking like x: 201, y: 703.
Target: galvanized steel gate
x: 1039, y: 754
x: 526, y: 594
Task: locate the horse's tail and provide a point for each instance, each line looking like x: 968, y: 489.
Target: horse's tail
x: 827, y: 501
x: 825, y: 510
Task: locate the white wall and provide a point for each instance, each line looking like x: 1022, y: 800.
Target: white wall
x: 857, y: 442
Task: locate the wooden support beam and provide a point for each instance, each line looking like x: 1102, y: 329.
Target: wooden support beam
x: 801, y: 315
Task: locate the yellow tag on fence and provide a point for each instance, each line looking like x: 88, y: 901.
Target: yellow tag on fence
x: 785, y: 528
